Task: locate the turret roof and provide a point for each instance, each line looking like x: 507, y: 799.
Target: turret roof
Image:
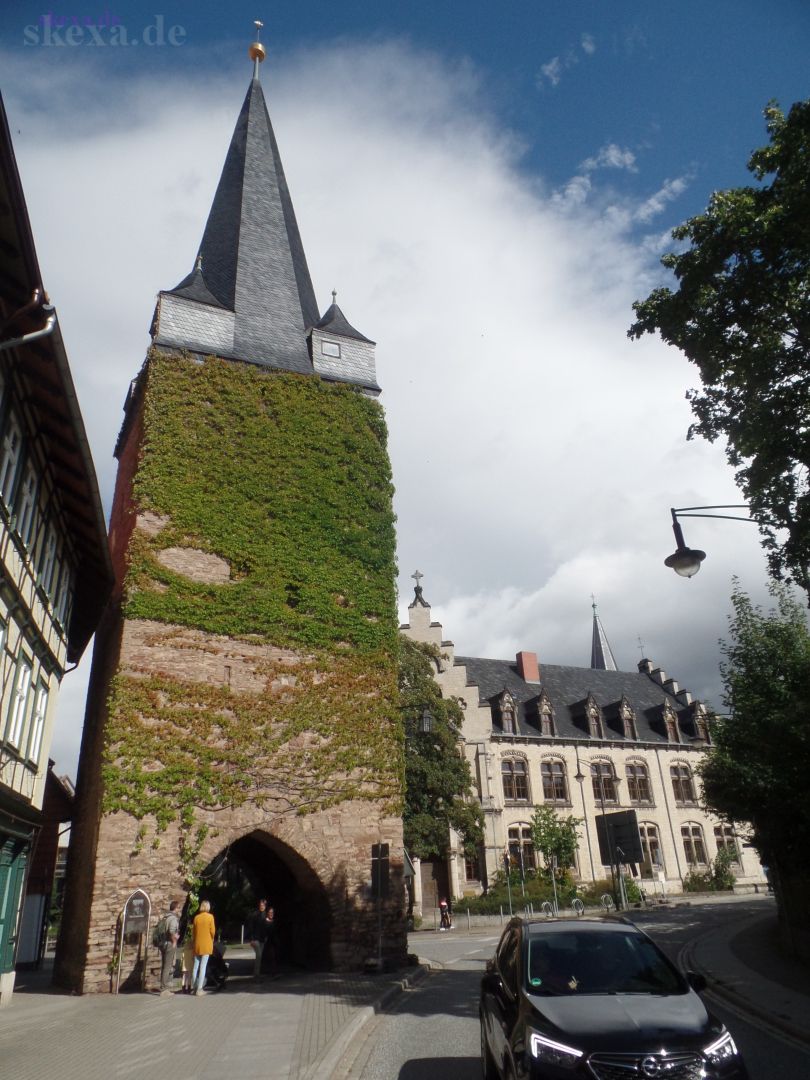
x: 251, y: 260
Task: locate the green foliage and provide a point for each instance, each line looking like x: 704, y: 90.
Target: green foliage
x: 535, y: 889
x: 555, y: 836
x: 741, y: 313
x: 719, y: 879
x: 284, y: 477
x: 287, y: 479
x: 438, y: 783
x: 756, y: 770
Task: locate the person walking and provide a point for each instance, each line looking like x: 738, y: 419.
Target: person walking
x: 257, y: 933
x: 202, y: 933
x: 168, y: 947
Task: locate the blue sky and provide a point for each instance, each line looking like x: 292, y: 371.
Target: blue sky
x: 489, y: 189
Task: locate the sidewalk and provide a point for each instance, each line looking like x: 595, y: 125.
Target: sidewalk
x: 743, y: 964
x: 292, y: 1028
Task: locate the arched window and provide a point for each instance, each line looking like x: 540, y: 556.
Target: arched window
x: 725, y: 840
x: 515, y: 780
x: 521, y: 847
x: 651, y: 847
x: 604, y: 782
x: 555, y: 783
x: 693, y: 846
x: 682, y: 784
x: 638, y: 783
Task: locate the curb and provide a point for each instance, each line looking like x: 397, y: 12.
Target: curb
x: 719, y: 989
x: 329, y: 1059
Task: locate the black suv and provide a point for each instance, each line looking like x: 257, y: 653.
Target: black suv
x: 596, y: 998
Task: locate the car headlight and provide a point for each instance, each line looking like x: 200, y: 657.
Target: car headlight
x: 721, y: 1049
x: 550, y: 1052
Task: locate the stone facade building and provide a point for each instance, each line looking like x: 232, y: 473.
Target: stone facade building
x: 585, y: 741
x: 54, y: 567
x: 241, y: 728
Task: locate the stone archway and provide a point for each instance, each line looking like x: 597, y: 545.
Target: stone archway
x: 259, y: 864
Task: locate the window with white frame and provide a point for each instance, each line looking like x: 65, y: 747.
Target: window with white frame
x: 63, y: 594
x: 693, y: 846
x: 10, y: 451
x: 47, y: 562
x: 38, y: 723
x: 18, y: 706
x: 27, y: 505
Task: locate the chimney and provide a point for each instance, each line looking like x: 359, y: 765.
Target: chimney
x: 671, y: 687
x: 645, y: 667
x: 528, y: 667
x: 659, y: 675
x: 684, y: 697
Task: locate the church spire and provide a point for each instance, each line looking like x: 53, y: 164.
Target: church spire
x: 601, y: 653
x: 250, y: 295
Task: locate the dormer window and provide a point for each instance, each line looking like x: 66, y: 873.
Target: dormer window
x: 330, y: 348
x: 628, y: 719
x: 545, y: 715
x: 504, y: 712
x: 594, y: 720
x: 671, y: 725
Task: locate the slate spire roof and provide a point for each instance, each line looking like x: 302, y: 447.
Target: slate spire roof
x: 251, y: 261
x: 601, y: 653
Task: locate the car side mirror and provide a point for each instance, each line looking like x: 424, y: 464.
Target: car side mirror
x: 696, y: 981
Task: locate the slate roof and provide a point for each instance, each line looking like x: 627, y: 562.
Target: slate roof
x: 601, y: 652
x: 568, y: 689
x: 336, y: 322
x: 251, y: 255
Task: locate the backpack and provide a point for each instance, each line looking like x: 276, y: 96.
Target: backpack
x: 160, y: 933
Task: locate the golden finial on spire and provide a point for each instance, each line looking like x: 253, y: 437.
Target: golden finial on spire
x: 257, y: 51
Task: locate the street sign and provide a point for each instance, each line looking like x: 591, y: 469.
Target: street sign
x: 619, y: 833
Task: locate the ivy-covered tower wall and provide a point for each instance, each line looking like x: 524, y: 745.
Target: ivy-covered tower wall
x: 244, y: 683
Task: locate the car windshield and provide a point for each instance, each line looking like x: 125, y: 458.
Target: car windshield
x: 584, y: 962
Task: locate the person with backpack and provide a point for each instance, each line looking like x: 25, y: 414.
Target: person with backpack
x: 165, y: 938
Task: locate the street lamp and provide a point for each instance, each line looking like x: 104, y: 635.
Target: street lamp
x: 686, y: 561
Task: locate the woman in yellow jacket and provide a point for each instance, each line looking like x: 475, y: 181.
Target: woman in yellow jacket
x: 202, y: 935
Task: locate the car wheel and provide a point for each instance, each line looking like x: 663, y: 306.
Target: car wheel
x: 487, y: 1064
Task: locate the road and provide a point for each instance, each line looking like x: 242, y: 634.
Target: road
x: 432, y: 1033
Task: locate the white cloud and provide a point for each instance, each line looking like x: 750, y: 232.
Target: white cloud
x: 536, y: 450
x: 656, y: 203
x: 552, y: 70
x: 588, y: 43
x: 611, y: 156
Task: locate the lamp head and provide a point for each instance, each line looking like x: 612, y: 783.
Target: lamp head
x: 685, y: 561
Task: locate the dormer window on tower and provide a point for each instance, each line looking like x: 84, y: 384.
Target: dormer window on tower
x: 330, y: 348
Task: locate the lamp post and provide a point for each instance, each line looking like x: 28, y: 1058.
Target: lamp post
x: 686, y: 561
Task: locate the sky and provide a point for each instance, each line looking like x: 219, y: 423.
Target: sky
x: 489, y: 188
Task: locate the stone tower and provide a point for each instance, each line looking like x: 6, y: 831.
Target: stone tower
x: 242, y: 727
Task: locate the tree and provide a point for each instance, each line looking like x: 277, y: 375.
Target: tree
x: 757, y: 769
x: 438, y: 783
x: 741, y: 314
x: 555, y: 837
